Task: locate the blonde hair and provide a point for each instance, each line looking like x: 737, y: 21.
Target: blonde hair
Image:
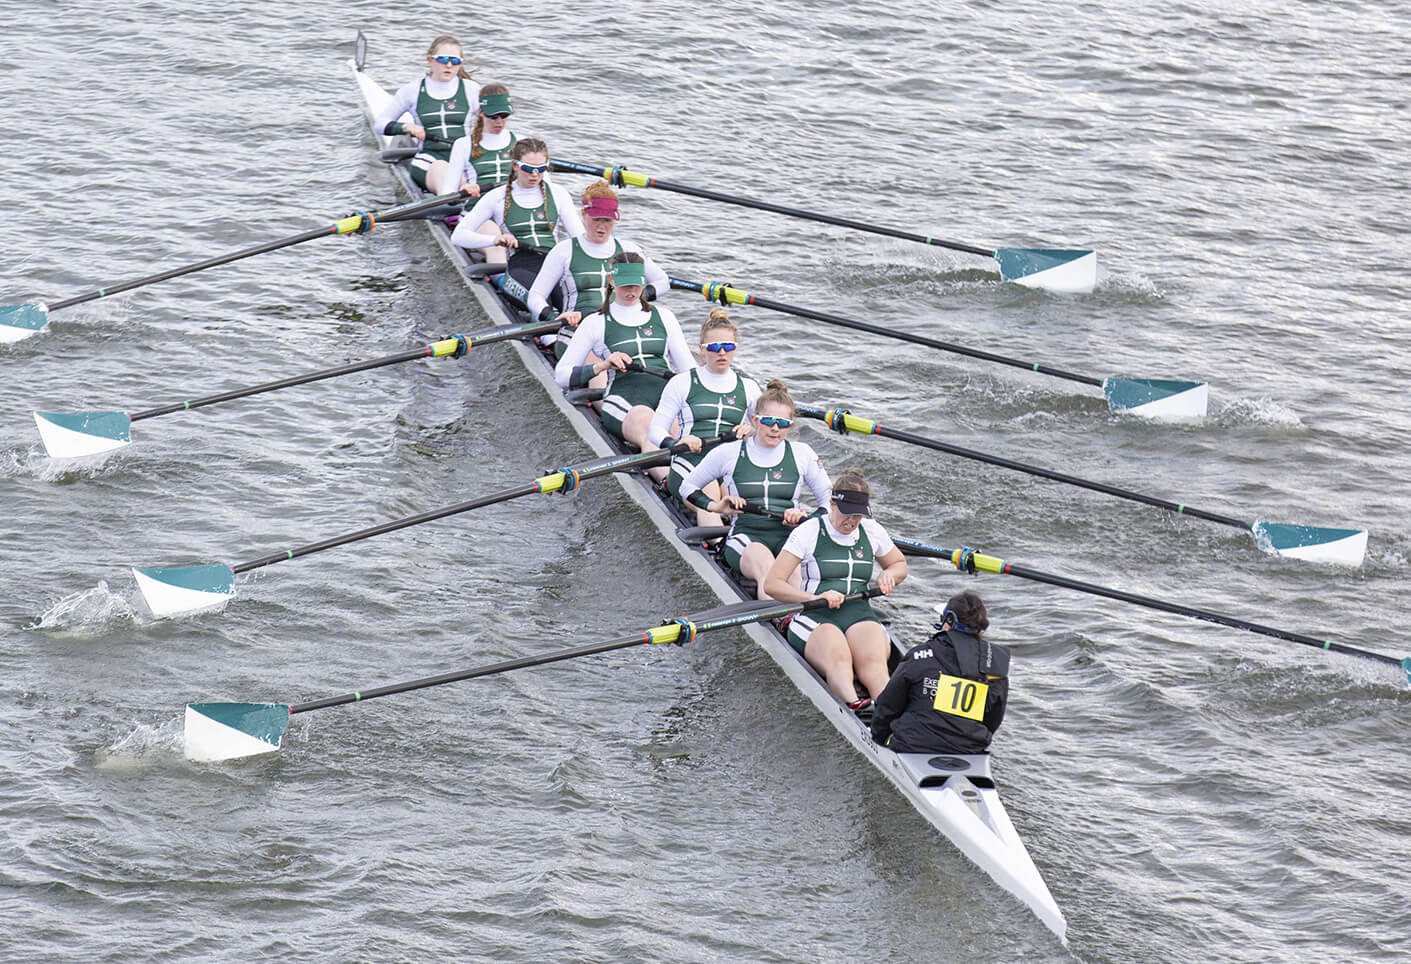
x: 446, y: 38
x: 475, y: 150
x: 775, y: 394
x: 719, y: 320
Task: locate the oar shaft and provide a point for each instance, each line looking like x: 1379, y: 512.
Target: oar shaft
x: 715, y: 291
x: 338, y: 227
x: 867, y: 427
x: 556, y: 481
x: 621, y: 176
x: 999, y: 566
x: 439, y: 349
x: 720, y: 618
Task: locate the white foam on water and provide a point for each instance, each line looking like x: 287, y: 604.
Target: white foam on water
x: 1257, y: 411
x: 147, y: 744
x: 88, y: 612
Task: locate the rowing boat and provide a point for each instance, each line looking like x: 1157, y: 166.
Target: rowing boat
x: 955, y: 793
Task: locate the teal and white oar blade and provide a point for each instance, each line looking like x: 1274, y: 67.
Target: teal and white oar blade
x: 1338, y: 547
x: 18, y: 322
x: 1052, y: 269
x: 1158, y: 398
x: 71, y: 435
x: 228, y: 731
x: 185, y: 590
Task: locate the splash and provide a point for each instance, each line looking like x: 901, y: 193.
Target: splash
x: 89, y: 612
x: 1257, y: 411
x: 146, y: 744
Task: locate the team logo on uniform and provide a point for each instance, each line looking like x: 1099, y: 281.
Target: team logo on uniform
x: 729, y: 399
x: 647, y: 331
x: 777, y: 475
x: 857, y: 552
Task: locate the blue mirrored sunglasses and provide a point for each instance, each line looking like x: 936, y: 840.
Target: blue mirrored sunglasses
x: 720, y: 346
x: 447, y: 59
x: 774, y: 421
x: 532, y: 168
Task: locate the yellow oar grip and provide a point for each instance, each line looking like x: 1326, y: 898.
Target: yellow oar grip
x: 550, y: 483
x: 851, y: 422
x: 662, y: 635
x: 983, y: 563
x: 440, y: 349
x: 348, y: 225
x: 713, y: 290
x: 634, y: 179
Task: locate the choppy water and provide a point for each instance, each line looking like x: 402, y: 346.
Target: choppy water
x: 1190, y: 792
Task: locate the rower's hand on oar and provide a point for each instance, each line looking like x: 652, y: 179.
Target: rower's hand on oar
x: 415, y: 130
x: 570, y: 318
x: 744, y: 430
x: 835, y: 598
x: 507, y: 241
x: 886, y: 583
x: 618, y: 359
x: 794, y: 515
x: 470, y: 190
x: 727, y: 505
x: 692, y: 442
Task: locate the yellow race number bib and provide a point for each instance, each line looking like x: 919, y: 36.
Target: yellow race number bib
x: 961, y: 697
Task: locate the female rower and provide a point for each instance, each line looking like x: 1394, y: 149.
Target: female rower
x: 948, y: 695
x: 765, y: 472
x: 575, y: 273
x: 526, y: 208
x: 626, y: 332
x: 482, y: 158
x: 440, y: 104
x: 837, y: 554
x: 704, y: 402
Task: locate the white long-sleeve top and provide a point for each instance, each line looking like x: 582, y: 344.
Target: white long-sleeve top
x: 673, y: 406
x: 460, y: 152
x: 588, y: 339
x: 555, y: 271
x: 491, y: 207
x: 404, y: 101
x: 719, y: 464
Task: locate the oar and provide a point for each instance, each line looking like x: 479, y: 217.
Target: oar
x: 970, y: 560
x: 1161, y: 398
x: 1343, y: 547
x: 18, y: 322
x: 68, y: 435
x: 229, y: 731
x: 1050, y: 268
x: 185, y: 590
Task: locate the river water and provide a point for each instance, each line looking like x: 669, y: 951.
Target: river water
x: 1190, y: 792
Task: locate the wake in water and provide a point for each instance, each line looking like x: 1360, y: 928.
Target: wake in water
x: 1257, y: 411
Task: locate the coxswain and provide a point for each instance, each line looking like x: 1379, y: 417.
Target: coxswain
x: 574, y: 275
x: 766, y: 472
x: 641, y: 346
x: 947, y: 695
x: 838, y: 554
x: 440, y: 104
x: 709, y: 400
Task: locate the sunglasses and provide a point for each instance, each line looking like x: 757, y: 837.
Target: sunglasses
x: 497, y: 116
x: 447, y: 59
x: 774, y: 421
x: 532, y: 168
x: 720, y: 346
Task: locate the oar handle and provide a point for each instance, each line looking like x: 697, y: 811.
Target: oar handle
x: 842, y: 420
x: 726, y: 294
x: 992, y: 564
x: 669, y: 631
x: 620, y: 176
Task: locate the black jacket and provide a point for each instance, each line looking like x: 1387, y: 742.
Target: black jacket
x: 906, y: 714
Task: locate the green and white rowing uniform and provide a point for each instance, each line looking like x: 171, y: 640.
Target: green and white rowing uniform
x: 652, y: 338
x: 768, y: 478
x: 535, y: 214
x: 830, y: 560
x: 492, y: 167
x: 444, y: 108
x: 701, y: 403
x: 580, y: 270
